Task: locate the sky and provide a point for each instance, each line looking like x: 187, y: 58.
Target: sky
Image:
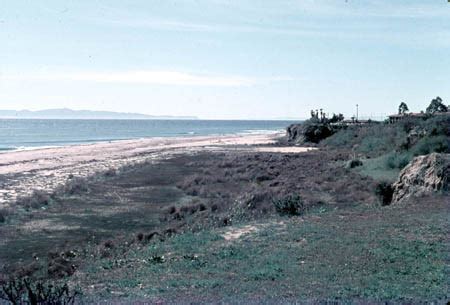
x: 224, y: 59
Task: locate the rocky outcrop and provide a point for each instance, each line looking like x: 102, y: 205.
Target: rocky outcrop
x: 294, y: 133
x: 424, y: 174
x: 308, y: 132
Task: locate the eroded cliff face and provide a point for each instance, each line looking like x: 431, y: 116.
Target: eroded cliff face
x: 424, y: 174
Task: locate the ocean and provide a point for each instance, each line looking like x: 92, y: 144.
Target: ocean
x: 18, y: 134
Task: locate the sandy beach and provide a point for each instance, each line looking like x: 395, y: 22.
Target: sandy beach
x: 45, y: 169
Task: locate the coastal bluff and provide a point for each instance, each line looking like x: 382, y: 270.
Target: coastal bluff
x: 423, y: 175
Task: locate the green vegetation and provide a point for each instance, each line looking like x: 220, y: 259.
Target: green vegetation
x: 354, y: 163
x: 289, y: 205
x: 37, y: 199
x: 27, y: 291
x: 397, y: 160
x: 385, y: 191
x: 370, y: 140
x: 410, y: 135
x: 395, y: 253
x: 436, y: 105
x: 378, y: 169
x: 427, y: 145
x: 403, y: 108
x: 390, y: 147
x: 314, y: 132
x: 3, y: 215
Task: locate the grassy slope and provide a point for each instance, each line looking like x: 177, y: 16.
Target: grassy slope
x: 378, y: 170
x: 385, y: 149
x: 398, y: 252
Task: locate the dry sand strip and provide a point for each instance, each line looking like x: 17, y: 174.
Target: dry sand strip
x: 24, y: 171
x: 28, y: 160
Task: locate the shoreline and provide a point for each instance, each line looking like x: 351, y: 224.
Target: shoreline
x: 157, y: 142
x: 21, y: 172
x: 180, y: 136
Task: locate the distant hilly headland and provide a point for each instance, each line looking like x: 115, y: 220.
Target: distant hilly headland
x: 66, y: 113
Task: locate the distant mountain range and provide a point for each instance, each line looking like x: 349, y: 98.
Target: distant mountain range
x: 65, y: 113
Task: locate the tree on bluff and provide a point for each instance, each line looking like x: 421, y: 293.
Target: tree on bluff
x: 436, y: 105
x: 403, y: 108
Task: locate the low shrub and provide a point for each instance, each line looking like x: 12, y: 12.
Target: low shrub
x: 373, y: 140
x: 109, y: 244
x: 397, y: 160
x: 438, y: 126
x: 289, y: 205
x: 429, y: 135
x: 192, y: 209
x: 255, y: 199
x: 36, y: 200
x: 171, y: 210
x: 27, y: 291
x: 384, y: 191
x: 343, y: 138
x: 60, y: 267
x: 151, y: 235
x: 156, y: 259
x: 4, y: 213
x: 408, y: 124
x: 73, y: 186
x: 427, y: 145
x: 214, y: 208
x: 262, y: 178
x: 370, y: 144
x: 77, y: 186
x: 354, y: 163
x: 110, y: 172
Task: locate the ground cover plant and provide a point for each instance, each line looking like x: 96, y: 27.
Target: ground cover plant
x: 183, y: 193
x: 375, y: 254
x: 156, y: 200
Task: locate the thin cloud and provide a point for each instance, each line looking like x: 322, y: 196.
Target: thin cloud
x: 373, y: 8
x: 148, y: 77
x: 189, y: 26
x: 275, y: 12
x: 269, y: 16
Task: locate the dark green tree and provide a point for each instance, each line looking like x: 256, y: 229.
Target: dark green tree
x: 336, y: 118
x: 403, y: 108
x: 436, y: 105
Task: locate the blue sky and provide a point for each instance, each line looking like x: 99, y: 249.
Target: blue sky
x: 224, y: 59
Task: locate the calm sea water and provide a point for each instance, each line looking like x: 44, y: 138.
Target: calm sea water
x: 23, y: 134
